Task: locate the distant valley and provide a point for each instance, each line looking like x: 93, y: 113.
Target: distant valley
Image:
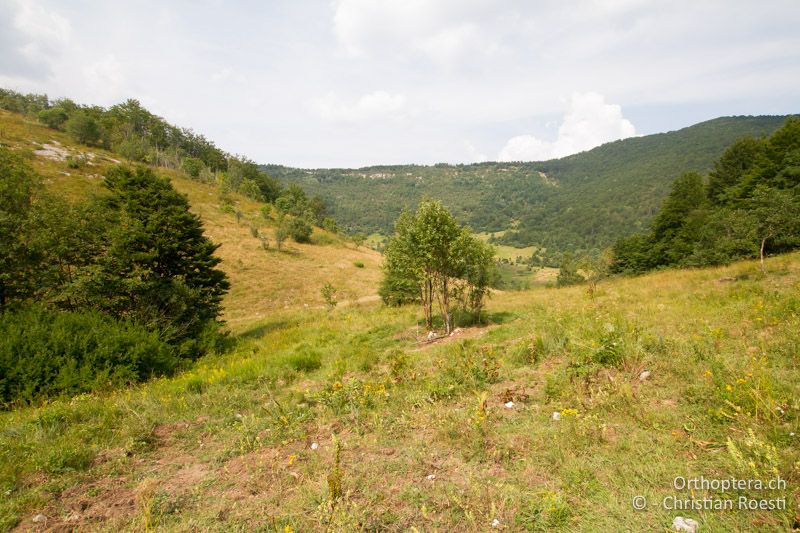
x: 580, y: 203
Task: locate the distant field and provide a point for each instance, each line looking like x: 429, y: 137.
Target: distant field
x: 503, y: 251
x: 376, y: 240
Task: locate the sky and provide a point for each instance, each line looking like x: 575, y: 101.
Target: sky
x: 347, y: 83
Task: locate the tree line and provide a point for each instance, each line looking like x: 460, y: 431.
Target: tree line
x: 432, y: 259
x: 135, y: 133
x: 105, y: 291
x: 747, y: 206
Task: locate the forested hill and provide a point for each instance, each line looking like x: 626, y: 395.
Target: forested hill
x: 581, y: 202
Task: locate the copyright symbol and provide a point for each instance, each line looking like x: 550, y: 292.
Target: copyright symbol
x: 639, y: 503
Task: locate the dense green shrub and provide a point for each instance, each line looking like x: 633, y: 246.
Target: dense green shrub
x: 83, y: 128
x: 47, y: 353
x: 329, y: 224
x: 134, y: 149
x: 157, y: 268
x: 192, y: 166
x: 299, y: 229
x: 54, y: 117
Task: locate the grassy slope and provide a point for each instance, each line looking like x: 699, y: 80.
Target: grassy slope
x: 227, y: 445
x: 261, y: 281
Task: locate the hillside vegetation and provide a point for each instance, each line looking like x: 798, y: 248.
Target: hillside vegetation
x: 578, y: 203
x: 748, y: 205
x: 348, y: 420
x: 261, y: 280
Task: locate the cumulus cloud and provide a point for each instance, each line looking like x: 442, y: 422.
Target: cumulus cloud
x: 47, y: 28
x: 31, y: 38
x: 105, y: 78
x: 446, y: 32
x: 378, y: 105
x: 474, y: 155
x: 588, y: 122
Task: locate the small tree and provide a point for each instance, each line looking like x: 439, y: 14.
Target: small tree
x: 431, y: 252
x: 299, y: 229
x: 281, y: 234
x: 476, y: 273
x: 568, y: 273
x: 434, y: 235
x: 158, y: 269
x: 596, y: 267
x: 83, y: 128
x: 328, y: 292
x: 250, y: 189
x: 283, y: 204
x: 359, y: 239
x: 329, y: 224
x: 402, y: 281
x: 192, y: 166
x: 53, y: 117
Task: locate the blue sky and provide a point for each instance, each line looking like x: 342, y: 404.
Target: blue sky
x: 356, y: 82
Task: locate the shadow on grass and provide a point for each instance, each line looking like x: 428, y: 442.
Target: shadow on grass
x: 288, y: 251
x: 500, y: 317
x: 262, y: 329
x: 468, y: 320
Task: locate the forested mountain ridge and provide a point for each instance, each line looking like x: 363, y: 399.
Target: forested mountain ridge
x: 576, y: 203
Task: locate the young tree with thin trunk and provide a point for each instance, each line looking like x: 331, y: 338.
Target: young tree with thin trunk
x: 443, y: 261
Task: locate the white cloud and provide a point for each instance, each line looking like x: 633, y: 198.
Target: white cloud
x: 588, y: 122
x: 32, y: 38
x: 447, y: 32
x: 378, y: 105
x: 46, y: 29
x: 474, y: 155
x: 104, y: 78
